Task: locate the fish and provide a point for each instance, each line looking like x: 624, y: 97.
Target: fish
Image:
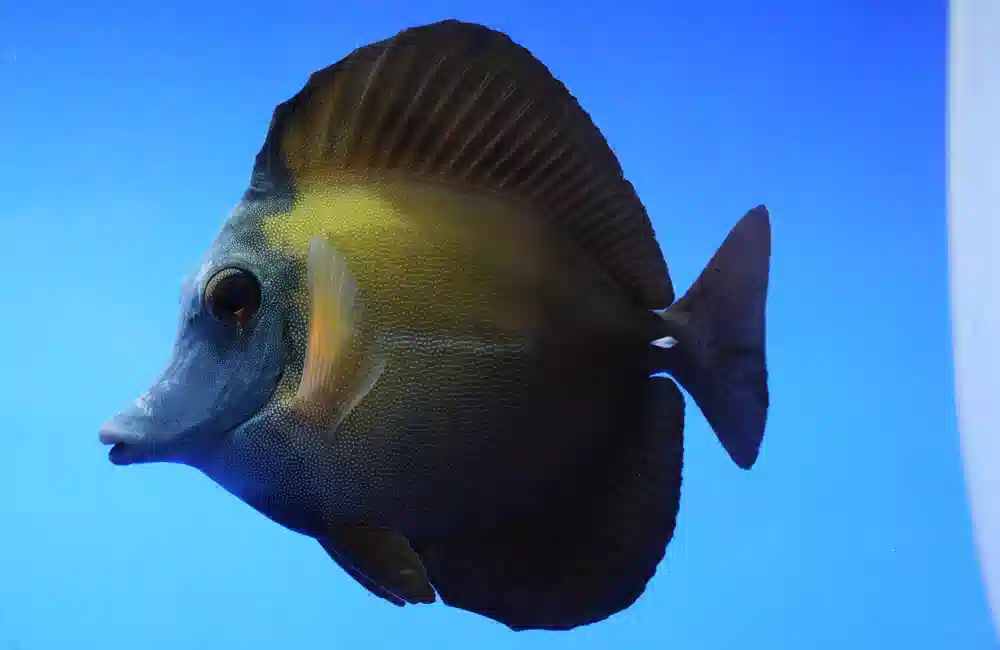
x: 438, y: 335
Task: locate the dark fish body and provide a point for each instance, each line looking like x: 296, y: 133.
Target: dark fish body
x: 510, y: 354
x: 426, y: 338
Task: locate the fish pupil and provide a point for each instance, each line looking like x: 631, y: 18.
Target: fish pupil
x: 233, y: 296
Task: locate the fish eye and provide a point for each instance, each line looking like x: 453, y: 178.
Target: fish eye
x: 233, y: 296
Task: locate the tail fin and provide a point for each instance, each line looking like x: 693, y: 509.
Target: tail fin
x: 715, y: 338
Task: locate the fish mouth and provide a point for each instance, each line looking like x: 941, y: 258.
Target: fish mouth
x: 131, y: 445
x: 130, y: 449
x: 126, y: 448
x: 120, y: 454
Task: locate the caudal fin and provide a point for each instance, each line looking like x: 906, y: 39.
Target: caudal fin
x: 715, y: 338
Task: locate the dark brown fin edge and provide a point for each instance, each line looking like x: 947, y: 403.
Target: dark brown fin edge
x: 584, y: 557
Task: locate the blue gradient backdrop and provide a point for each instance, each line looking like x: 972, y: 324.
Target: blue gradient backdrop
x: 127, y: 132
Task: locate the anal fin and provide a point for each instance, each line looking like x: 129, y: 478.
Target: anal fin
x: 381, y: 561
x: 589, y: 553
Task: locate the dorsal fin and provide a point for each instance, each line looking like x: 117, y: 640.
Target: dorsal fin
x: 462, y: 103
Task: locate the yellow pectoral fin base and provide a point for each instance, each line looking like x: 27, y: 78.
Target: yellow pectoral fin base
x: 335, y: 377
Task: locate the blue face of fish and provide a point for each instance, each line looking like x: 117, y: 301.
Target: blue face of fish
x: 226, y: 364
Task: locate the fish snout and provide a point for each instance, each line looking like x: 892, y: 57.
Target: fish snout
x: 125, y: 442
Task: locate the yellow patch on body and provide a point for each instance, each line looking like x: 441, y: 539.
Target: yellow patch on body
x: 425, y: 255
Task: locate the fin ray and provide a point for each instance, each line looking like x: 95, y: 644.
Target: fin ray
x: 460, y: 102
x: 336, y: 375
x: 719, y: 327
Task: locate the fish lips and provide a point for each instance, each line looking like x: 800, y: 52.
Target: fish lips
x: 130, y: 446
x: 161, y: 434
x: 126, y: 447
x: 123, y: 454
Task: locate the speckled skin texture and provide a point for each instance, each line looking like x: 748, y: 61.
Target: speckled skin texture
x: 509, y: 355
x: 512, y: 453
x: 490, y: 431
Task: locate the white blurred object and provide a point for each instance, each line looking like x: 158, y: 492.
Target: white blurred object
x: 974, y: 233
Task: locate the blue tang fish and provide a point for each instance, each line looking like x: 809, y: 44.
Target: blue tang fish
x: 432, y: 336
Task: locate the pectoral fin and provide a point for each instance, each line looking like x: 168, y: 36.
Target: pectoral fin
x: 381, y: 561
x: 337, y: 374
